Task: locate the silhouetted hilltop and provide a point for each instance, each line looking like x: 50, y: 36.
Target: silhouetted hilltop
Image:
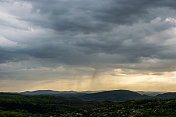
x: 57, y: 93
x: 115, y: 95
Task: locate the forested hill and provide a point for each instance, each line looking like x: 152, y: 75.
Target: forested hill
x: 115, y: 95
x: 16, y: 105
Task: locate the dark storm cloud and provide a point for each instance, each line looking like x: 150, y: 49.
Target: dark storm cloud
x: 91, y: 16
x: 94, y: 15
x: 87, y: 32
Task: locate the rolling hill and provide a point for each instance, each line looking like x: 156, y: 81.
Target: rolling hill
x: 115, y: 95
x: 166, y: 95
x: 17, y: 105
x: 56, y: 93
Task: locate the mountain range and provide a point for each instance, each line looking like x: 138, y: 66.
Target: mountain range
x: 113, y: 95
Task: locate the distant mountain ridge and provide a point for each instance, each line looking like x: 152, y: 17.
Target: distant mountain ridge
x: 167, y: 95
x: 57, y: 93
x: 113, y: 95
x: 149, y: 93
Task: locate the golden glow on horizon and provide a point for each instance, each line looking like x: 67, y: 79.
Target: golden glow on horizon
x: 137, y: 82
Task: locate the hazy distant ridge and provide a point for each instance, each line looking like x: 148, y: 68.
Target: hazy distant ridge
x: 113, y: 95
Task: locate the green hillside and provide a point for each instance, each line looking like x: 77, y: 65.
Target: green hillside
x: 138, y: 108
x: 13, y: 105
x: 41, y: 105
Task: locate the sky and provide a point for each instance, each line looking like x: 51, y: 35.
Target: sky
x: 87, y: 45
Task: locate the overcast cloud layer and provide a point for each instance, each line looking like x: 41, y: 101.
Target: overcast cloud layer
x: 68, y: 39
